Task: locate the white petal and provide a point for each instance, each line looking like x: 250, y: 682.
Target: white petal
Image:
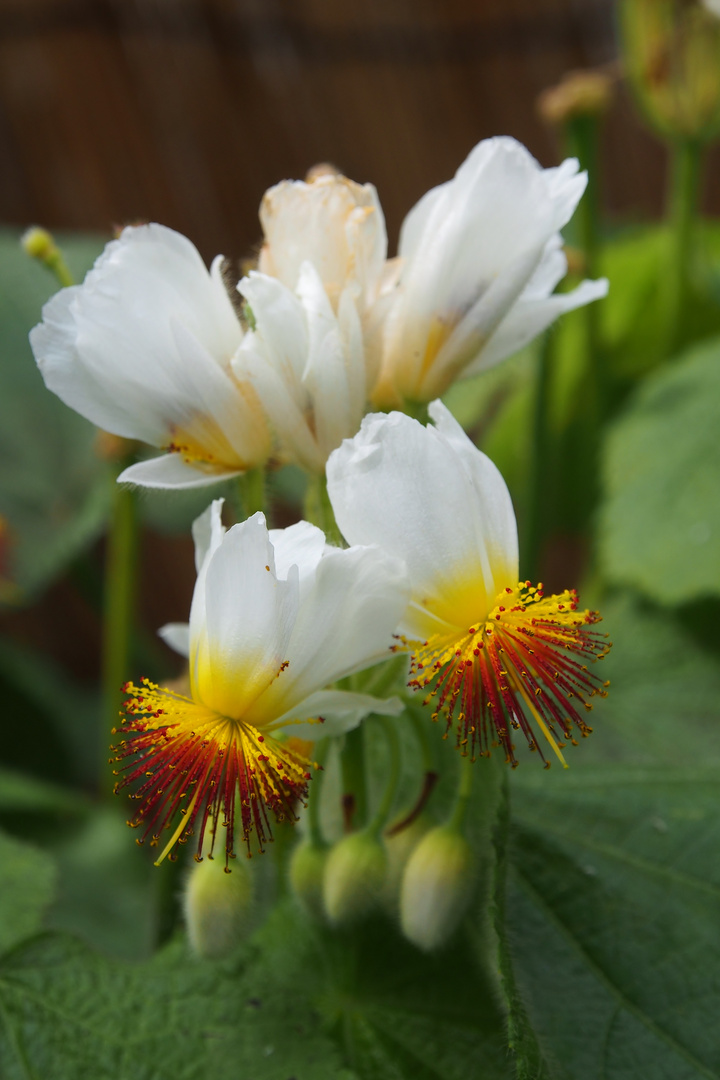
x: 281, y: 326
x: 249, y: 615
x: 254, y: 363
x: 170, y: 471
x: 145, y: 344
x: 341, y: 710
x: 300, y: 545
x: 207, y: 532
x: 177, y: 636
x: 528, y: 318
x: 347, y: 616
x: 442, y: 508
x: 332, y: 222
x: 325, y: 373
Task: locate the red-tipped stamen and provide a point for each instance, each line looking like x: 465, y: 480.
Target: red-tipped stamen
x: 197, y: 763
x: 523, y: 666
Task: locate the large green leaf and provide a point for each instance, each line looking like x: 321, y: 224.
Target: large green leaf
x: 613, y: 917
x: 660, y: 524
x: 612, y: 912
x: 27, y: 880
x: 55, y: 490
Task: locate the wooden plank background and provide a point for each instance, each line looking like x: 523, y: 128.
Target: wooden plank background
x: 184, y: 111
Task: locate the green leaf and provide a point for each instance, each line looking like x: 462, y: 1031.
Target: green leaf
x: 664, y: 688
x: 68, y: 1013
x: 27, y: 880
x: 613, y: 921
x: 660, y: 523
x: 55, y: 490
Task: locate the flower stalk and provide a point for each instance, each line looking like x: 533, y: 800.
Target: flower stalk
x: 118, y: 613
x: 683, y: 197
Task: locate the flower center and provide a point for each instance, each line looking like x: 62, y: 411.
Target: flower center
x: 216, y: 772
x: 524, y: 664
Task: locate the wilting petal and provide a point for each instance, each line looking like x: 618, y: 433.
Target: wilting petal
x: 334, y: 223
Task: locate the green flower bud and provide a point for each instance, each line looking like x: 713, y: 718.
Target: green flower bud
x: 307, y: 871
x: 436, y: 887
x: 217, y: 906
x: 672, y: 57
x: 354, y: 877
x: 399, y: 847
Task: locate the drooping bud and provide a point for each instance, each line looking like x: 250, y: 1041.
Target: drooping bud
x: 217, y: 906
x: 307, y: 872
x: 672, y: 56
x: 354, y: 877
x: 399, y: 847
x: 436, y: 887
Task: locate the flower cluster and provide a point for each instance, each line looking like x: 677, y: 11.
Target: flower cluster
x: 284, y: 366
x: 223, y: 375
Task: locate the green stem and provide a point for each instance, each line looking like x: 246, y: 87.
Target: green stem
x: 417, y: 409
x: 318, y: 509
x: 252, y: 491
x: 538, y: 473
x: 457, y: 818
x: 686, y: 164
x: 383, y: 811
x: 582, y: 137
x: 119, y: 610
x: 314, y: 829
x: 420, y: 731
x: 352, y: 766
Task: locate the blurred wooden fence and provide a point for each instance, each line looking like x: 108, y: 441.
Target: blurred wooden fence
x: 184, y: 111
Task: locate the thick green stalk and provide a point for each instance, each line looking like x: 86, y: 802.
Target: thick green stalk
x: 381, y: 814
x: 457, y: 818
x: 582, y: 134
x: 119, y: 612
x: 352, y: 766
x: 252, y: 492
x: 683, y: 198
x: 313, y: 817
x: 318, y: 509
x: 540, y: 459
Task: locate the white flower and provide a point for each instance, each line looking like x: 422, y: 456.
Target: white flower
x: 276, y: 617
x: 307, y: 364
x: 495, y: 654
x: 317, y: 302
x: 481, y: 255
x: 143, y: 349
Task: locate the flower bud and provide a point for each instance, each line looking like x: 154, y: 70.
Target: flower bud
x: 579, y: 93
x: 672, y: 57
x: 354, y: 877
x: 307, y: 872
x: 39, y: 244
x: 399, y: 847
x: 436, y: 887
x: 217, y: 906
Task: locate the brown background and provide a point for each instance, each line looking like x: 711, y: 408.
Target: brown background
x: 184, y: 111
